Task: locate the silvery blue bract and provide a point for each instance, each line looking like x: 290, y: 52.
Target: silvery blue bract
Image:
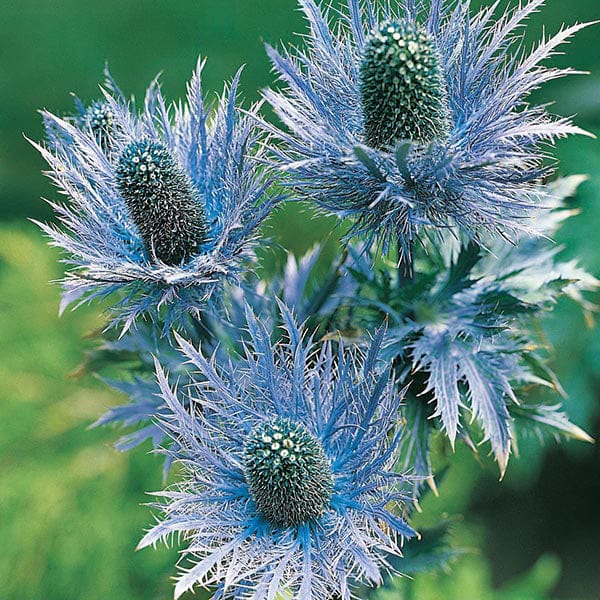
x: 164, y: 204
x: 464, y: 333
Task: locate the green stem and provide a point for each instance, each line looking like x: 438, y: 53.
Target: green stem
x: 202, y: 328
x: 405, y: 265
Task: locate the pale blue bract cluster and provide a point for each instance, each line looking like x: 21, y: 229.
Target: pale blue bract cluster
x: 219, y: 150
x: 484, y: 176
x: 347, y: 402
x: 323, y: 382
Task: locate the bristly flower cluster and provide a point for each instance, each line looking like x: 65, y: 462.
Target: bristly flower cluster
x: 289, y: 457
x: 416, y: 116
x: 302, y: 449
x: 164, y: 204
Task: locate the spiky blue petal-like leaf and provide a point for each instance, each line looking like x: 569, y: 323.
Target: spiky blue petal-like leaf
x: 463, y: 333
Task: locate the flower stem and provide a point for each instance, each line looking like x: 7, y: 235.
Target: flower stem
x: 405, y: 265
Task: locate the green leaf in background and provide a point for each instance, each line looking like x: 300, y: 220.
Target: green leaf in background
x: 70, y: 503
x: 471, y: 580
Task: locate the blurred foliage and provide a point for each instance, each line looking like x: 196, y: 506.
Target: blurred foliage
x: 71, y: 514
x: 70, y: 504
x: 472, y: 580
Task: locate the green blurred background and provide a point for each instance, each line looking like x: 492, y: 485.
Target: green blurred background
x: 71, y: 508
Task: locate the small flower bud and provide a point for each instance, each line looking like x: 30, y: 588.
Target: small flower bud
x: 99, y: 118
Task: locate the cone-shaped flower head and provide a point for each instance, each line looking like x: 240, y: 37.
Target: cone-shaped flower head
x: 164, y: 202
x: 100, y: 119
x: 288, y: 455
x: 414, y: 115
x: 289, y: 476
x: 402, y: 86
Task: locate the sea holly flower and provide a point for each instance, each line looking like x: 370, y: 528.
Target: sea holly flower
x: 164, y: 203
x: 415, y: 115
x: 97, y: 119
x: 288, y: 456
x: 100, y: 120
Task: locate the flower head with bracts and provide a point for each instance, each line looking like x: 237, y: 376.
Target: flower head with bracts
x: 164, y: 203
x: 415, y: 115
x: 289, y: 456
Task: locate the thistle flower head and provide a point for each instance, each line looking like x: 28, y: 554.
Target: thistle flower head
x: 402, y: 86
x: 288, y: 452
x: 289, y: 476
x: 100, y: 119
x: 162, y: 201
x: 414, y: 117
x: 163, y: 206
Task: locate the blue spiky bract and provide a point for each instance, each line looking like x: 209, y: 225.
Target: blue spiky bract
x: 482, y: 174
x: 342, y: 407
x: 478, y: 347
x: 126, y: 363
x: 463, y: 335
x: 402, y: 86
x: 162, y: 201
x: 213, y: 160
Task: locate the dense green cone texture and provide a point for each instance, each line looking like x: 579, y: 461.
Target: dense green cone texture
x: 288, y: 474
x: 162, y: 201
x: 402, y: 86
